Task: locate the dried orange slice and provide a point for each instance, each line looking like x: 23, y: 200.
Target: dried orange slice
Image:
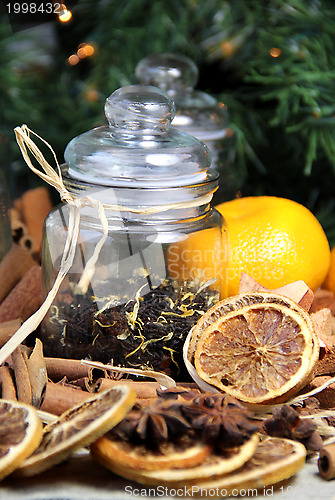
x: 212, y: 466
x: 20, y: 434
x: 274, y: 460
x: 79, y: 427
x: 260, y: 348
x: 224, y: 307
x: 116, y: 454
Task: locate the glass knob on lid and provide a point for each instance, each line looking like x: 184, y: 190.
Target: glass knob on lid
x: 139, y: 148
x: 139, y: 109
x: 198, y: 113
x: 172, y: 73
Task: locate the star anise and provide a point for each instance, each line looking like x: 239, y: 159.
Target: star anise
x: 286, y: 422
x: 153, y: 424
x: 221, y: 419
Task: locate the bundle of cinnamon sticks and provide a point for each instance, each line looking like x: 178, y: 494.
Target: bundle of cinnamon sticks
x: 27, y: 218
x: 20, y: 269
x: 54, y: 384
x: 70, y: 382
x: 21, y: 293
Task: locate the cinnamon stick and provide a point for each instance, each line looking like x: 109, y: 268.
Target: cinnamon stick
x: 7, y: 330
x: 13, y: 267
x: 326, y: 462
x: 325, y: 365
x: 249, y: 284
x: 322, y: 299
x: 324, y: 324
x: 36, y: 204
x: 17, y: 205
x: 59, y: 398
x: 322, y: 321
x: 144, y: 390
x: 21, y: 374
x: 37, y: 374
x: 7, y: 386
x: 25, y: 298
x: 326, y: 397
x: 72, y: 369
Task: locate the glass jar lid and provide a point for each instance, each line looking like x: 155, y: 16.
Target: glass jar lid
x: 198, y: 113
x: 138, y: 148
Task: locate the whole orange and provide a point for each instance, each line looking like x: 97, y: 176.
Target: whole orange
x: 329, y: 283
x: 274, y: 240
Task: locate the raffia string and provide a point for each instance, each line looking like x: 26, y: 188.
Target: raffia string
x: 303, y: 397
x: 162, y: 379
x: 54, y: 178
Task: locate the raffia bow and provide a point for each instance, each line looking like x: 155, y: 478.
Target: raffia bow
x: 54, y: 178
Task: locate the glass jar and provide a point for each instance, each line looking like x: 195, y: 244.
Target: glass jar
x: 198, y: 114
x: 163, y: 262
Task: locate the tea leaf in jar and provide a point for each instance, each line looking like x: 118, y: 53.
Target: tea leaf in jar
x: 146, y: 332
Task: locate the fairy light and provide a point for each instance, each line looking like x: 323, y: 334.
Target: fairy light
x: 92, y: 95
x: 227, y: 48
x: 73, y: 59
x: 89, y: 50
x: 275, y: 52
x: 64, y: 14
x: 84, y: 50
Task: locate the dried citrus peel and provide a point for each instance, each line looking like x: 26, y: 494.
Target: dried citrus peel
x: 79, y: 427
x: 268, y: 374
x: 261, y: 348
x: 118, y: 455
x: 272, y: 460
x: 275, y: 460
x: 21, y: 432
x: 213, y: 466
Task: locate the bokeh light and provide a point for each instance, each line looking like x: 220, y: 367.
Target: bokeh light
x: 275, y: 52
x: 73, y: 60
x: 85, y: 50
x: 64, y: 15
